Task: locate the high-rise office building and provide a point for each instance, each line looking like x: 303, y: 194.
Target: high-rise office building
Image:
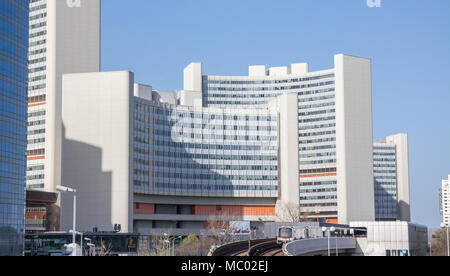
x: 150, y: 165
x: 445, y: 201
x: 13, y: 119
x: 391, y: 173
x: 331, y: 124
x: 64, y: 38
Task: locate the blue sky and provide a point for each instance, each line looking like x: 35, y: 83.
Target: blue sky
x: 408, y: 41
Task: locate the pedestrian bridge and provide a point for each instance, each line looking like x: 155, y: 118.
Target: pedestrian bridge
x: 313, y: 247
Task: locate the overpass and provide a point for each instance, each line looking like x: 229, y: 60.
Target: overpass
x: 315, y: 247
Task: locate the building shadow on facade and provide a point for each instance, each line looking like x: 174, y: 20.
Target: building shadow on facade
x: 81, y: 169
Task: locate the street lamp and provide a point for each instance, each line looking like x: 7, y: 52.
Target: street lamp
x: 81, y: 240
x: 63, y: 189
x: 329, y: 230
x: 445, y: 225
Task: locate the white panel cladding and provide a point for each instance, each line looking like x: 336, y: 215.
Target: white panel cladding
x: 392, y: 238
x: 299, y: 68
x: 354, y: 139
x: 286, y: 108
x: 257, y: 71
x: 193, y: 77
x: 279, y: 71
x: 97, y: 149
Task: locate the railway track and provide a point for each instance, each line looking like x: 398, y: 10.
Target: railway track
x: 266, y: 249
x: 254, y: 248
x: 274, y: 253
x: 238, y: 248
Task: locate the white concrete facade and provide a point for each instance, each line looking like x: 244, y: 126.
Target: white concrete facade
x: 288, y: 163
x: 193, y: 77
x: 97, y: 155
x: 354, y: 139
x: 64, y: 38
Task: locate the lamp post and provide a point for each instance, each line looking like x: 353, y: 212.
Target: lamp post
x: 63, y: 189
x: 446, y: 226
x: 329, y: 230
x: 81, y: 240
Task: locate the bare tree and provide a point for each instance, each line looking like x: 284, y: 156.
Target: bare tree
x: 289, y: 212
x: 223, y: 227
x: 195, y: 246
x: 104, y: 249
x: 160, y: 246
x: 439, y: 243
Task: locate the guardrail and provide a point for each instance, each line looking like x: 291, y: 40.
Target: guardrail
x: 311, y: 246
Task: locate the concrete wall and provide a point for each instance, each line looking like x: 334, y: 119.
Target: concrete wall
x: 98, y: 115
x: 287, y: 107
x: 193, y: 77
x: 143, y: 91
x: 164, y: 97
x: 354, y: 139
x: 190, y: 98
x: 257, y: 71
x: 299, y: 68
x: 393, y: 237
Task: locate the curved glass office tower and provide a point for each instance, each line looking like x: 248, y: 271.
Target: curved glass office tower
x: 13, y: 123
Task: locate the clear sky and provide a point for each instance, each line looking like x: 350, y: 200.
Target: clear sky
x: 408, y: 41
